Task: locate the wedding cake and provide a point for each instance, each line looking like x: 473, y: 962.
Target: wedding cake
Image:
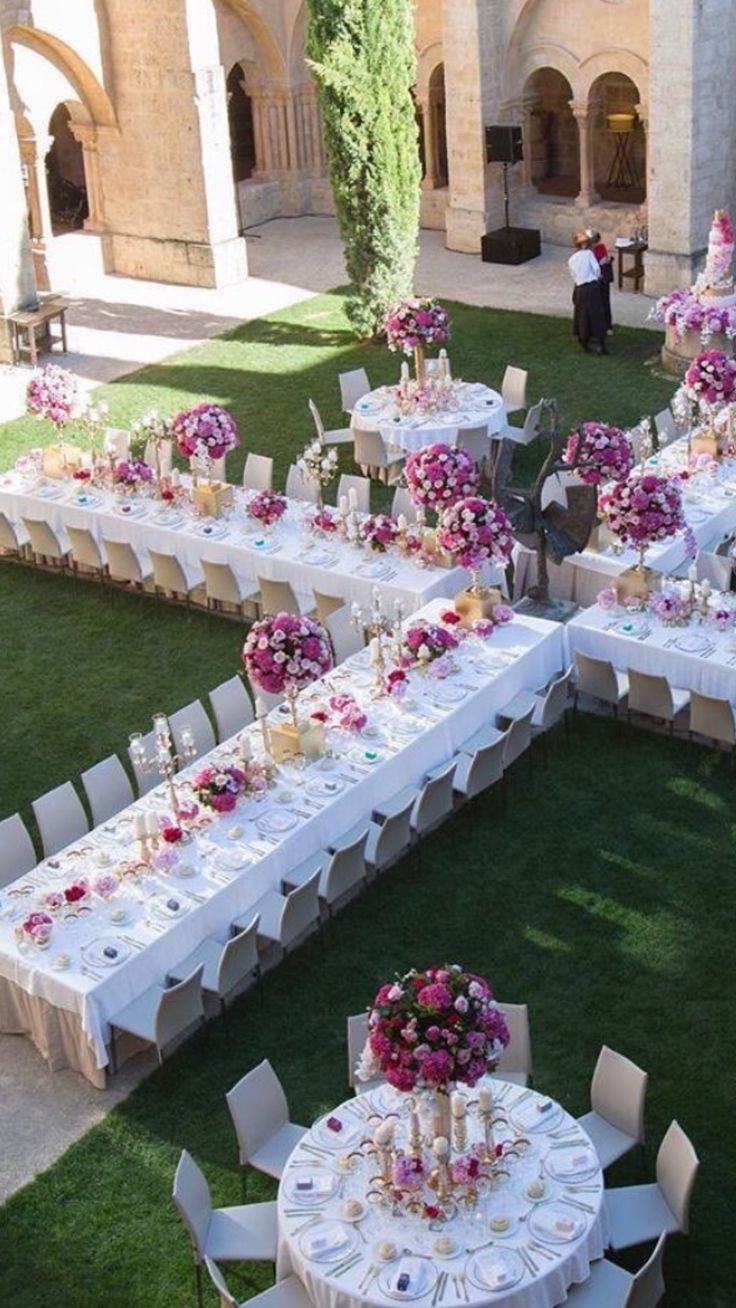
x: 715, y: 284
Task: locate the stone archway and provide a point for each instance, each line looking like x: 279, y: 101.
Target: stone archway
x: 554, y: 140
x: 618, y: 139
x: 240, y: 119
x: 65, y: 174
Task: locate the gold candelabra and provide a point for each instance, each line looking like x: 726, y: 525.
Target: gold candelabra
x: 165, y: 759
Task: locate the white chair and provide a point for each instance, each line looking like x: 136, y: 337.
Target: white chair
x: 375, y: 458
x: 107, y: 788
x: 345, y: 637
x: 146, y: 778
x: 402, y: 503
x: 389, y: 833
x: 599, y: 679
x: 338, y: 436
x: 173, y: 577
x: 246, y: 1233
x: 611, y: 1286
x: 357, y: 1035
x: 513, y: 389
x: 299, y: 487
x: 17, y: 854
x: 655, y: 697
x: 525, y: 434
x: 159, y: 455
x: 60, y: 818
x: 353, y: 386
x: 515, y: 1063
x: 227, y: 968
x: 362, y: 488
x: 116, y: 441
x: 232, y: 707
x: 194, y: 719
x: 124, y: 564
x: 85, y: 552
x: 713, y: 718
x: 258, y: 472
x: 160, y: 1015
x: 715, y: 568
x: 665, y: 425
x: 326, y: 604
x: 475, y: 441
x: 288, y: 1293
x: 280, y: 597
x: 285, y: 920
x: 618, y: 1094
x: 434, y: 803
x: 222, y: 587
x: 44, y: 543
x: 13, y: 538
x: 547, y: 708
x: 642, y: 1212
x: 479, y: 769
x: 260, y: 1114
x: 518, y: 738
x: 342, y: 874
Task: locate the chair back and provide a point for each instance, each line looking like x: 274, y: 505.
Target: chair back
x: 618, y: 1092
x: 346, y: 870
x: 277, y: 597
x: 43, y: 539
x: 317, y: 419
x: 361, y: 486
x: 353, y: 386
x: 596, y: 677
x: 369, y: 450
x: 357, y: 1036
x: 650, y: 694
x: 712, y: 718
x: 435, y: 801
x: 299, y: 487
x: 513, y: 388
x: 346, y: 638
x: 403, y: 503
x: 647, y: 1287
x: 677, y: 1168
x: 258, y: 1109
x: 17, y: 854
x: 232, y: 707
x: 258, y: 472
x: 122, y: 561
x: 194, y: 717
x: 8, y: 538
x: 107, y: 788
x: 327, y: 604
x: 60, y: 818
x: 220, y: 582
x: 168, y: 573
x: 518, y: 738
x: 394, y: 837
x: 239, y: 958
x: 178, y: 1008
x: 146, y: 779
x: 300, y: 912
x: 533, y: 419
x: 715, y: 568
x: 665, y: 425
x: 227, y: 1299
x: 85, y: 550
x: 486, y: 767
x: 555, y: 700
x: 191, y: 1194
x: 116, y: 442
x: 517, y: 1056
x: 475, y: 442
x: 159, y: 455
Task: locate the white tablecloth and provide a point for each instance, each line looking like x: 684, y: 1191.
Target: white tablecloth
x: 564, y: 1263
x: 648, y: 646
x: 335, y: 567
x: 523, y: 655
x: 479, y: 406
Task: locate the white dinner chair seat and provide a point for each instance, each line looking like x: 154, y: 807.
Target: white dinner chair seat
x: 208, y: 953
x: 486, y: 735
x: 242, y: 1233
x: 138, y: 1017
x: 610, y: 1143
x: 272, y: 1156
x: 606, y: 1287
x: 637, y: 1213
x: 286, y: 1293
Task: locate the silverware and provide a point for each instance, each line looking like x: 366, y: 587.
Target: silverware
x: 309, y: 1222
x: 577, y: 1203
x: 347, y: 1265
x: 368, y: 1277
x: 567, y: 1144
x: 315, y: 1149
x: 584, y: 1189
x: 89, y: 971
x: 545, y: 1251
x: 131, y: 940
x: 444, y: 1278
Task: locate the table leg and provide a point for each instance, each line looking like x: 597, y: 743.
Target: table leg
x: 32, y: 345
x: 620, y: 270
x: 62, y: 320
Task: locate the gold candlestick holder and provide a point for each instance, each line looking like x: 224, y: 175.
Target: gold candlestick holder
x: 489, y: 1143
x: 460, y: 1134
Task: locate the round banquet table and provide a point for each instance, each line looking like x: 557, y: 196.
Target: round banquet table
x: 548, y: 1244
x: 477, y: 406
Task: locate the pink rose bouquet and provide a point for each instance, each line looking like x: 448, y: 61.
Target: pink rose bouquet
x: 599, y: 452
x: 476, y: 531
x: 431, y: 1028
x: 105, y: 885
x: 723, y: 618
x: 77, y: 892
x: 205, y: 432
x: 426, y: 641
x: 379, y: 531
x: 38, y: 928
x: 324, y: 521
x: 286, y: 653
x: 644, y: 509
x: 218, y: 788
x: 668, y: 606
x: 439, y: 476
x: 711, y: 379
x: 133, y: 473
x: 267, y: 507
x: 607, y: 598
x: 347, y: 713
x: 397, y: 685
x: 52, y: 393
x: 418, y: 320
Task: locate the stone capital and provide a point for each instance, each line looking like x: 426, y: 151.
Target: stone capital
x: 85, y: 134
x: 580, y: 109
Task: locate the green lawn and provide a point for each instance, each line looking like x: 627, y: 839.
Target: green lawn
x: 602, y: 898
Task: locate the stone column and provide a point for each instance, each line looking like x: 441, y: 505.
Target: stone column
x: 429, y: 181
x: 586, y: 196
x: 33, y: 150
x: 17, y: 282
x: 86, y: 135
x: 527, y: 106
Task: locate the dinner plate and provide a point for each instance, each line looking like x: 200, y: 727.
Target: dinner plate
x: 422, y: 1275
x: 279, y: 820
x: 328, y: 1242
x: 213, y: 530
x: 383, y: 1100
x: 556, y: 1222
x: 263, y: 544
x: 86, y: 499
x: 344, y: 1139
x: 324, y: 787
x: 323, y: 1181
x: 319, y: 558
x: 373, y: 569
x: 94, y: 951
x: 631, y: 627
x: 49, y: 492
x: 163, y: 908
x: 447, y: 694
x: 232, y: 860
x: 572, y: 1164
x: 130, y: 510
x: 169, y: 520
x: 495, y: 1269
x: 528, y: 1117
x: 691, y: 643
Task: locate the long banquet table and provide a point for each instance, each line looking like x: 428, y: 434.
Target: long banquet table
x: 235, y: 859
x: 348, y: 1256
x: 477, y: 406
x: 289, y: 552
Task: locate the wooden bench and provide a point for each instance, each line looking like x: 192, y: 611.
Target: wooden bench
x: 31, y: 329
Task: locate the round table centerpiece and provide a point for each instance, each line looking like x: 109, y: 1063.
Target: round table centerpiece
x: 641, y: 511
x: 204, y: 435
x: 476, y: 531
x: 438, y: 476
x: 282, y: 656
x: 597, y: 453
x: 132, y: 475
x: 710, y: 388
x: 415, y: 323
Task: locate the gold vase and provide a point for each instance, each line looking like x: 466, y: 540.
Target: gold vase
x: 419, y: 365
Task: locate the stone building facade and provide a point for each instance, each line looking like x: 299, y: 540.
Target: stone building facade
x: 170, y: 126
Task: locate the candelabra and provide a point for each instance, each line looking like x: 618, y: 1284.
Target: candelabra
x: 165, y: 758
x: 379, y: 628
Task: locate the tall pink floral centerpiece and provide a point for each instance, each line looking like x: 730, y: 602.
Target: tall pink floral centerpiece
x: 414, y: 324
x: 475, y: 531
x: 710, y: 389
x: 438, y: 476
x: 53, y: 393
x: 282, y: 656
x: 643, y: 510
x: 599, y: 453
x: 205, y: 433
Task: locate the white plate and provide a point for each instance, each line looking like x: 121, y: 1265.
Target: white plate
x: 351, y: 1133
x: 328, y: 1242
x: 510, y: 1230
x: 365, y: 756
x: 130, y: 510
x: 169, y: 520
x: 447, y: 694
x: 556, y: 1222
x: 279, y: 820
x: 375, y: 570
x: 631, y: 627
x: 528, y: 1118
x: 325, y: 1185
x: 85, y: 499
x: 94, y: 952
x: 383, y: 1100
x: 571, y: 1164
x: 161, y: 909
x: 495, y: 1269
x: 232, y: 860
x: 263, y: 545
x: 319, y: 558
x: 406, y: 726
x: 325, y: 787
x: 692, y: 644
x: 422, y: 1272
x: 49, y: 492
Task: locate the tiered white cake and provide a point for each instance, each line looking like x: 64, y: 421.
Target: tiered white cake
x: 716, y: 285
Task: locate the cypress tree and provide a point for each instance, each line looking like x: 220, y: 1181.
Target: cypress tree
x: 363, y: 57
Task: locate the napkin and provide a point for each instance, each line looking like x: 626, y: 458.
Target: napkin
x: 320, y: 1185
x: 493, y: 1273
x: 570, y: 1164
x: 554, y: 1224
x: 326, y: 1240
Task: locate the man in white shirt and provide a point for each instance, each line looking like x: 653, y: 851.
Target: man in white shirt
x: 589, y: 319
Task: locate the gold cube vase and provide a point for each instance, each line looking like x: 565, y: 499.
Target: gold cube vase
x: 477, y: 602
x: 286, y: 740
x: 636, y: 583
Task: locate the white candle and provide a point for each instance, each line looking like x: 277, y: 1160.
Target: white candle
x: 414, y: 1128
x: 355, y: 610
x: 375, y: 648
x: 401, y: 522
x: 139, y: 826
x: 151, y: 824
x: 260, y: 707
x: 244, y: 751
x: 485, y: 1098
x: 399, y: 609
x: 441, y: 1147
x: 161, y: 725
x: 705, y: 586
x: 353, y: 498
x: 458, y: 1105
x: 383, y: 1135
x: 404, y: 371
x: 692, y: 573
x: 343, y: 503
